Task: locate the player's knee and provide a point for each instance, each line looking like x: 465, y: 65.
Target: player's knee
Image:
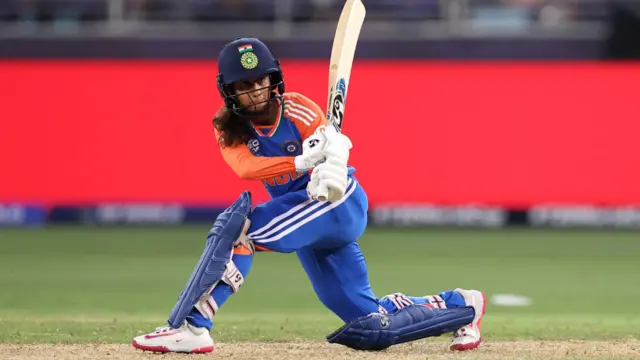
x: 348, y: 307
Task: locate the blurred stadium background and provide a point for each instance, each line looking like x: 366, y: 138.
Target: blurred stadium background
x: 497, y: 133
x: 543, y: 124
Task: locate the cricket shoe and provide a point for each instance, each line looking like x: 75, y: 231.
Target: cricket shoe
x: 469, y: 337
x: 185, y: 339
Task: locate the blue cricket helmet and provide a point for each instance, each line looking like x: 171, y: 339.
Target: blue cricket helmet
x: 246, y: 58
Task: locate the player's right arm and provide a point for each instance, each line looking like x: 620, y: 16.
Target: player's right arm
x: 251, y: 167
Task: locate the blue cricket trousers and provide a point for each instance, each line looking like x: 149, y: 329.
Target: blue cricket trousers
x: 324, y: 236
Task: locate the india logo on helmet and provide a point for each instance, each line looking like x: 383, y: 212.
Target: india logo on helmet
x: 249, y: 60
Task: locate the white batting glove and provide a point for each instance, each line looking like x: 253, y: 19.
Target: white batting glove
x: 332, y: 174
x: 312, y: 151
x: 313, y: 186
x: 337, y: 145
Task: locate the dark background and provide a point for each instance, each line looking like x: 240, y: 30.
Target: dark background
x: 419, y: 29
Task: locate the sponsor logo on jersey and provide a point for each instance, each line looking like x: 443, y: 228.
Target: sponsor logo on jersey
x: 254, y: 146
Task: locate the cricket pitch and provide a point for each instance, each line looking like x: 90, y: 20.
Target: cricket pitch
x: 431, y: 350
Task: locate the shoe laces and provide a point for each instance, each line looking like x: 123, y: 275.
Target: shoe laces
x: 163, y: 329
x: 460, y: 332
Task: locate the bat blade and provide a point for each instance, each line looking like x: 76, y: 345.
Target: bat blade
x: 342, y: 54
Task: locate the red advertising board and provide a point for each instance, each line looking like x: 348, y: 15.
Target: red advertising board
x: 512, y: 134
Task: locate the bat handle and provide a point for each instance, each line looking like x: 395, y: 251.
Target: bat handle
x: 323, y: 192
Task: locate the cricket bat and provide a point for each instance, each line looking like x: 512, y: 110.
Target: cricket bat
x: 342, y: 53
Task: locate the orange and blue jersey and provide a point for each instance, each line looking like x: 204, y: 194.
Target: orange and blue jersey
x: 269, y: 155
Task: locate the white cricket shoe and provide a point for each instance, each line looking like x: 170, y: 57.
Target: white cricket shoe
x: 469, y: 336
x: 185, y: 339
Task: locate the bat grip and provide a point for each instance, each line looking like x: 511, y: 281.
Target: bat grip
x: 323, y: 192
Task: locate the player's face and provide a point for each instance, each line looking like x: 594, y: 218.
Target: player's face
x: 253, y: 93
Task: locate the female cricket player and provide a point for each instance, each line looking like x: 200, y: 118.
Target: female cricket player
x: 280, y: 138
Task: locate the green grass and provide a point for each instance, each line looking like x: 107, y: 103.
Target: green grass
x: 80, y: 285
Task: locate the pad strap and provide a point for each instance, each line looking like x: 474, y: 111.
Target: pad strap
x: 206, y: 304
x: 233, y: 277
x: 436, y: 301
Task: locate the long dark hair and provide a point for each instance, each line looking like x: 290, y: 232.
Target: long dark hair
x: 234, y: 129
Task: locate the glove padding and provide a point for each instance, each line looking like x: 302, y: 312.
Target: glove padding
x: 337, y: 145
x: 312, y: 151
x: 332, y: 173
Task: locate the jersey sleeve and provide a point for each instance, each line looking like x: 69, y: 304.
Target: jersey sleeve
x: 251, y: 167
x: 304, y: 112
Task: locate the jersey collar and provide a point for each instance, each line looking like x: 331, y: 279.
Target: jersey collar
x: 275, y: 127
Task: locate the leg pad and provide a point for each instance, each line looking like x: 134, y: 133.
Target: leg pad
x: 380, y: 331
